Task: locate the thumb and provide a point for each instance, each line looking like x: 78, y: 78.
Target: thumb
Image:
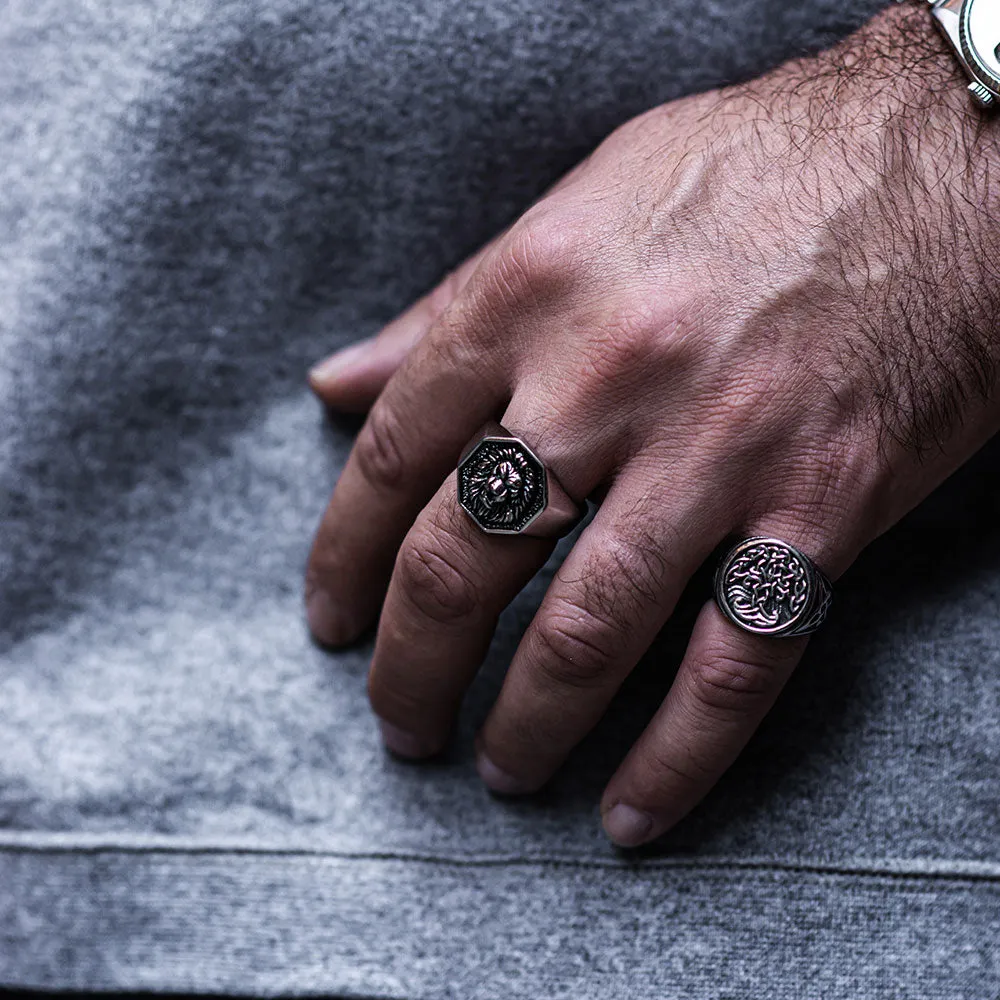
x: 352, y: 378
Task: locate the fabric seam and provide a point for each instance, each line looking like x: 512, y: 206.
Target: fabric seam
x: 929, y: 870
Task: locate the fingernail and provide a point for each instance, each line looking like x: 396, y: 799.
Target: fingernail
x: 499, y: 780
x: 325, y: 622
x: 627, y: 826
x: 399, y: 741
x: 336, y: 364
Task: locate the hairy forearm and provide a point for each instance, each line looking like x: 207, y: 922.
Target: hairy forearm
x: 943, y: 151
x: 911, y: 192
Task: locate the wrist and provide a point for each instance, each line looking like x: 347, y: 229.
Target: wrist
x: 898, y: 73
x: 905, y: 166
x: 943, y: 149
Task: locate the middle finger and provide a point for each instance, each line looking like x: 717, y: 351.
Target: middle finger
x: 603, y: 609
x: 449, y: 585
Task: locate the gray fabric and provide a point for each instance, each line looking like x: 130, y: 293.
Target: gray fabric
x: 197, y: 200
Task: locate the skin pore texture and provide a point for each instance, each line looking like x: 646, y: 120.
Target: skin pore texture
x: 769, y: 309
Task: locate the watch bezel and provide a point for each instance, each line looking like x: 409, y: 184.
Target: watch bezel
x: 984, y: 74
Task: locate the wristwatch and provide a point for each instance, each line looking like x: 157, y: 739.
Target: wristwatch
x: 972, y: 28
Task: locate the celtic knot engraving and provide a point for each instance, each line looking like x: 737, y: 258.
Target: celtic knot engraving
x: 502, y: 485
x: 766, y: 586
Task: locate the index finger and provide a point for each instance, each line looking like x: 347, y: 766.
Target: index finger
x: 443, y: 392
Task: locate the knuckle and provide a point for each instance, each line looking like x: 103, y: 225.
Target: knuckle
x: 466, y: 336
x: 627, y: 347
x: 746, y: 408
x: 578, y: 648
x: 638, y: 571
x: 435, y: 578
x: 378, y: 450
x: 829, y: 492
x: 584, y: 639
x: 756, y: 411
x: 537, y: 260
x: 726, y: 683
x: 626, y: 340
x: 626, y: 576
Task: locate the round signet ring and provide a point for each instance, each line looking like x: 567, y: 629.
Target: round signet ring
x: 507, y: 490
x: 768, y: 587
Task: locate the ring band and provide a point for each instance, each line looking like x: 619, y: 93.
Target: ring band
x: 507, y: 490
x: 768, y: 587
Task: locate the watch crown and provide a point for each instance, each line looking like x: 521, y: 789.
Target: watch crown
x: 983, y: 96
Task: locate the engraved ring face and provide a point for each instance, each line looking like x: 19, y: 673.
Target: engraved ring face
x: 765, y: 586
x: 501, y: 485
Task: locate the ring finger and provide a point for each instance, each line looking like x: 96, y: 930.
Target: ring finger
x: 604, y: 607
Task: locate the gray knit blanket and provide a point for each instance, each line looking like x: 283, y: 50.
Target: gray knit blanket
x: 198, y: 200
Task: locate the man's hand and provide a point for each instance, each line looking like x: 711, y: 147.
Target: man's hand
x: 766, y: 310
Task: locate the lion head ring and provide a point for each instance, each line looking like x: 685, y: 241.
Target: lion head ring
x: 506, y: 489
x: 768, y: 587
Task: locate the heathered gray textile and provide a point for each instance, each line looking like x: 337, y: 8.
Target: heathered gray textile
x: 198, y: 200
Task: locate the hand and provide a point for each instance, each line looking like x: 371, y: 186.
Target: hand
x: 766, y: 310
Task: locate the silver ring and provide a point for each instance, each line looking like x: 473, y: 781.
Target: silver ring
x: 768, y: 587
x: 507, y: 490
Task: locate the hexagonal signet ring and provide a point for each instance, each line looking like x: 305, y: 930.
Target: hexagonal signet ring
x: 507, y: 490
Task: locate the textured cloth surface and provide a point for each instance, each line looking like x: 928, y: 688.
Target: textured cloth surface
x: 198, y: 200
